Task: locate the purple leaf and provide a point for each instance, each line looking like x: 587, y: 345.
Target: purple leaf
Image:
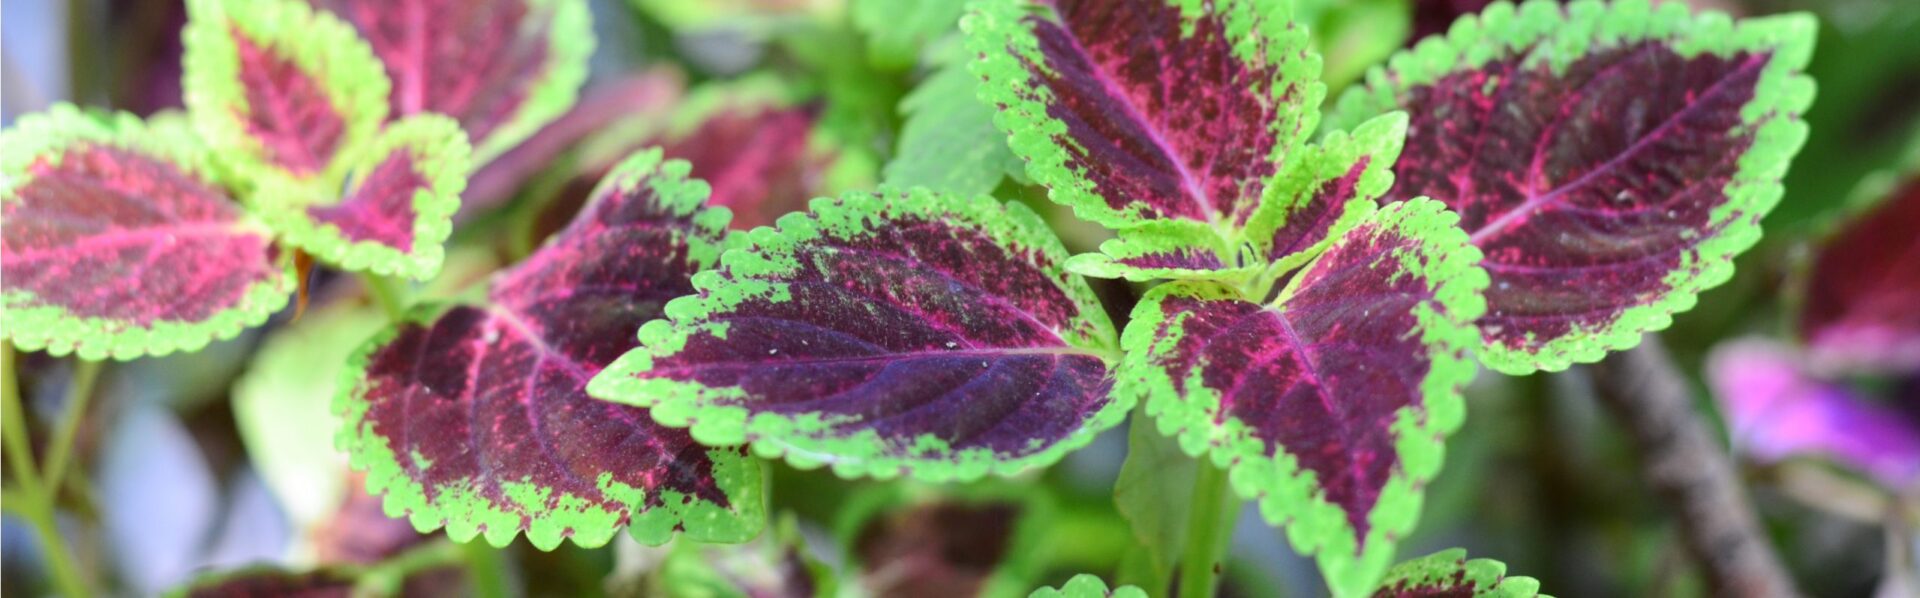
x: 906, y: 332
x: 503, y: 68
x: 1609, y: 160
x: 1448, y: 573
x: 757, y: 158
x: 476, y: 417
x: 1141, y: 109
x: 117, y: 242
x: 278, y: 90
x: 1328, y: 404
x: 1776, y: 409
x: 976, y: 540
x: 1860, y: 311
x: 395, y: 212
x: 601, y: 106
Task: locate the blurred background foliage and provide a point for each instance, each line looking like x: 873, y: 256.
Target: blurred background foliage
x: 225, y: 458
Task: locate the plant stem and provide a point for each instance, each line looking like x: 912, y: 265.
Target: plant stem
x: 385, y: 293
x: 486, y: 571
x: 1209, y: 525
x: 79, y: 392
x: 387, y: 577
x: 33, y: 501
x: 1683, y: 461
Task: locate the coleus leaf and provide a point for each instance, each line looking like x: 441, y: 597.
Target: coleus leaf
x: 475, y: 417
x: 971, y: 540
x: 1088, y: 586
x: 1778, y: 409
x: 947, y: 139
x: 904, y: 332
x: 759, y: 155
x: 1609, y: 160
x: 278, y: 90
x: 503, y: 68
x: 1148, y: 110
x: 393, y: 215
x: 1330, y: 403
x: 1449, y: 573
x: 1859, y: 310
x: 261, y: 581
x: 1288, y: 227
x: 115, y: 240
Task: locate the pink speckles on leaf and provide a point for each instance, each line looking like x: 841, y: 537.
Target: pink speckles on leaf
x: 287, y: 110
x: 114, y: 246
x: 479, y: 413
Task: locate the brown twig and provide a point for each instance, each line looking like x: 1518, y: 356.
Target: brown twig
x: 1690, y: 469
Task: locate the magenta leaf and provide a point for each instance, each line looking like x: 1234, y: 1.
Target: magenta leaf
x: 1777, y: 409
x: 758, y: 156
x: 904, y: 332
x: 278, y: 90
x: 397, y: 208
x: 1329, y: 403
x: 116, y: 241
x: 1148, y: 110
x: 503, y: 68
x: 1449, y: 573
x: 1609, y: 160
x: 475, y: 417
x: 1862, y: 307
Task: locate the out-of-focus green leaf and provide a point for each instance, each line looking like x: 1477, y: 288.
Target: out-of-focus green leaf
x: 896, y: 30
x: 1154, y: 494
x: 948, y: 142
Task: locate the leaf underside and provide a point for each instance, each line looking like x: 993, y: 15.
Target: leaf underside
x: 1609, y: 160
x: 1449, y: 573
x: 502, y: 68
x: 1144, y: 110
x: 1328, y: 405
x: 905, y: 332
x: 476, y: 418
x: 115, y: 241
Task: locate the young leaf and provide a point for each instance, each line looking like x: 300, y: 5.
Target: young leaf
x: 1449, y: 573
x: 116, y: 241
x: 1148, y: 109
x: 1859, y: 313
x: 476, y: 418
x: 905, y: 332
x: 276, y: 89
x: 1328, y: 405
x: 1609, y: 160
x: 503, y: 68
x: 397, y: 210
x: 1289, y: 226
x: 1088, y: 586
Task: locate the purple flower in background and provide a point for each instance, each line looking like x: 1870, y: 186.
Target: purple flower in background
x: 1777, y: 408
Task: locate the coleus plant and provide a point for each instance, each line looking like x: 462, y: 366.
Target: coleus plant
x: 1605, y: 162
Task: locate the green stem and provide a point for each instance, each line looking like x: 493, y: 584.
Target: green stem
x: 1209, y: 526
x: 386, y: 293
x: 486, y: 570
x: 33, y: 501
x: 385, y: 578
x: 79, y: 392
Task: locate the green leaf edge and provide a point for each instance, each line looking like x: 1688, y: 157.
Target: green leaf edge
x: 325, y: 48
x: 737, y: 474
x: 1164, y: 236
x: 1783, y: 91
x: 1087, y: 585
x: 440, y: 155
x: 995, y: 33
x: 59, y: 332
x: 691, y: 405
x: 1284, y: 493
x: 570, y: 43
x: 1487, y: 577
x: 1025, y: 553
